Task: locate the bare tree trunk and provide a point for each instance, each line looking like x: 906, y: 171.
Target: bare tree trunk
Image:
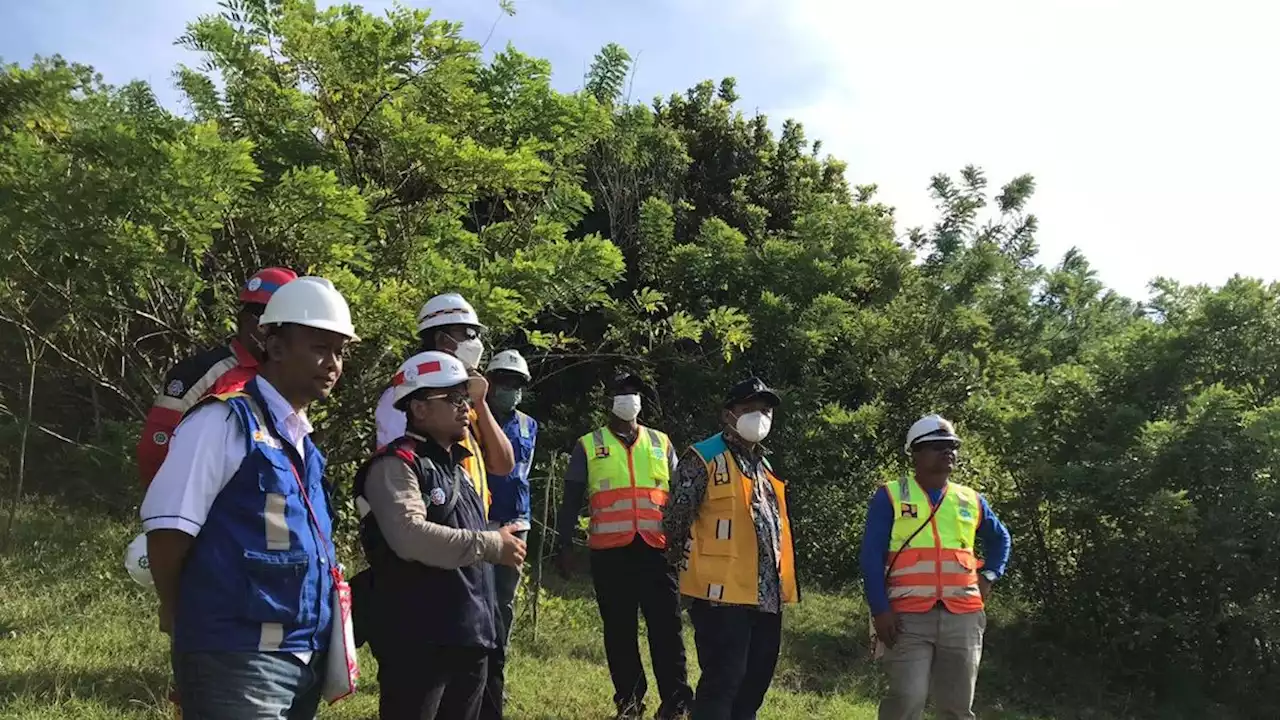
x: 552, y: 472
x: 33, y: 359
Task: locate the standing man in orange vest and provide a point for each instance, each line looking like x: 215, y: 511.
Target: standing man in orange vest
x: 625, y: 470
x: 729, y: 530
x: 924, y: 585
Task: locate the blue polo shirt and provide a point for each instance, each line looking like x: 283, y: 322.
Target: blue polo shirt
x: 511, y: 491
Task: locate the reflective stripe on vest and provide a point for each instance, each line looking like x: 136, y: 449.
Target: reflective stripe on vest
x: 722, y: 559
x: 256, y: 578
x: 938, y: 564
x: 627, y: 487
x: 474, y: 465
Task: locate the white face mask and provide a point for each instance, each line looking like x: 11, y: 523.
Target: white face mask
x: 626, y: 407
x: 469, y: 352
x: 754, y: 426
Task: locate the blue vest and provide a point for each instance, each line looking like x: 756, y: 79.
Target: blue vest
x: 257, y: 576
x: 511, y: 491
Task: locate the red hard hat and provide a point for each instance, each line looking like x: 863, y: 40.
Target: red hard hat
x: 258, y: 289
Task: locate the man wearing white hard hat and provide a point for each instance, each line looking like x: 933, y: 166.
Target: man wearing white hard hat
x: 447, y: 323
x: 924, y: 584
x: 239, y: 527
x: 423, y: 528
x: 508, y: 375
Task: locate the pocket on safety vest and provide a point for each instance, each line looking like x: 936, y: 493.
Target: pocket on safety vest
x: 275, y: 473
x: 720, y: 539
x: 278, y: 591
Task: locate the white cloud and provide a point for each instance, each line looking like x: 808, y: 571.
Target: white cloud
x: 1151, y: 127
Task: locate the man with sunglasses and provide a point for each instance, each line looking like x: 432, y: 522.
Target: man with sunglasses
x: 213, y: 372
x: 422, y: 526
x: 924, y: 584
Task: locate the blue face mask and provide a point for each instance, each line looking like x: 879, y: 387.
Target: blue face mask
x: 503, y: 400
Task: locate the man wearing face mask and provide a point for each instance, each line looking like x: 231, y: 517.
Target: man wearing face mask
x: 508, y: 375
x: 728, y: 529
x: 925, y: 586
x: 625, y: 470
x: 448, y: 323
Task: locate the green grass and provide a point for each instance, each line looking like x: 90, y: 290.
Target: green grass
x: 78, y: 640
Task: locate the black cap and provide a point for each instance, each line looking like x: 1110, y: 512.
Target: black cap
x: 626, y: 383
x: 749, y: 389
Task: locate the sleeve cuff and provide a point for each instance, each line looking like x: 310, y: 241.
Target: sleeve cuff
x: 171, y: 522
x: 491, y: 546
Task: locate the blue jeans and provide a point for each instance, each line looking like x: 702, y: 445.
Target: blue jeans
x: 248, y: 686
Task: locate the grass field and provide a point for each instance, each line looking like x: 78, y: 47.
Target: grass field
x: 78, y: 640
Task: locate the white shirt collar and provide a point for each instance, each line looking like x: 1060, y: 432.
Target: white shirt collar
x: 294, y: 423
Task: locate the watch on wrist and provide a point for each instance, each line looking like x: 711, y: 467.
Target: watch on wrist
x: 990, y: 575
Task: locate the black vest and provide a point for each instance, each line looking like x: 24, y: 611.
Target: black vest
x: 416, y: 604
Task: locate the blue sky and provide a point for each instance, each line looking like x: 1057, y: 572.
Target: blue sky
x: 1151, y: 126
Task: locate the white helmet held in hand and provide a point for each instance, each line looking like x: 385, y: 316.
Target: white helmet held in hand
x: 430, y: 369
x: 447, y: 309
x: 311, y: 301
x: 511, y: 361
x: 135, y: 561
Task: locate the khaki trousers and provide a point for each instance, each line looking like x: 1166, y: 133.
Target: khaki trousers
x: 937, y: 653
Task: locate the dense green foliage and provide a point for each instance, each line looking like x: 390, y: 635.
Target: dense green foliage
x: 1133, y: 449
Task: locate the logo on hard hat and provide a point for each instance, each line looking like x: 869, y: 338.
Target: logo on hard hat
x: 254, y: 284
x: 411, y: 373
x: 144, y: 563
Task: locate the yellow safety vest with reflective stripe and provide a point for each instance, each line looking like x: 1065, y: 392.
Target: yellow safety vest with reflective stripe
x: 938, y: 564
x: 474, y: 465
x: 721, y: 557
x: 627, y: 487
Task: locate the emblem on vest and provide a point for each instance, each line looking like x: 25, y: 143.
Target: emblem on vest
x: 656, y: 452
x: 437, y: 496
x: 264, y: 437
x: 965, y: 511
x: 602, y: 451
x: 908, y: 510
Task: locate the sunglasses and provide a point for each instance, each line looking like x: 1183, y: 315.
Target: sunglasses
x: 457, y: 399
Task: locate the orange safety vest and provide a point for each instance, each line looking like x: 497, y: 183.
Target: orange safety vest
x: 627, y: 487
x: 722, y: 559
x: 938, y: 563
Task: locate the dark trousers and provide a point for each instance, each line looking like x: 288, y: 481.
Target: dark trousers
x: 506, y: 581
x: 631, y: 580
x: 737, y: 651
x: 432, y: 682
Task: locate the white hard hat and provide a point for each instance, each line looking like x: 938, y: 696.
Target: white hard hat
x: 135, y: 561
x: 511, y: 361
x: 447, y: 309
x: 311, y: 301
x: 930, y: 428
x: 430, y: 369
